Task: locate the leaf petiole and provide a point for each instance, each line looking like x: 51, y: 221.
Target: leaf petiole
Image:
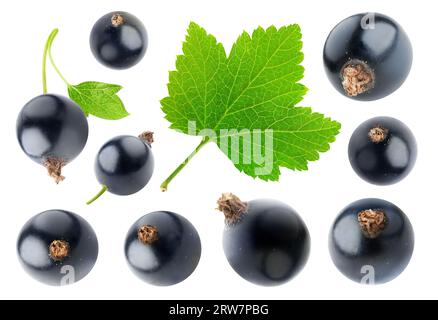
x: 166, y: 182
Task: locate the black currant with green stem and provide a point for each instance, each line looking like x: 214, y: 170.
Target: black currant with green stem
x: 52, y: 129
x: 124, y: 165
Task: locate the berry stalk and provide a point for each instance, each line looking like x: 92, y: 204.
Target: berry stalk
x: 45, y: 54
x: 97, y: 196
x: 48, y: 54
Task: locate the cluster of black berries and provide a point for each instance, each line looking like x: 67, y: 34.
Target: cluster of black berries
x: 367, y: 57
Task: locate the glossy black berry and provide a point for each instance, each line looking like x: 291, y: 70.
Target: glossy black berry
x: 57, y: 247
x: 125, y: 164
x: 265, y: 241
x: 52, y: 130
x: 382, y: 150
x: 162, y: 248
x: 118, y: 40
x: 367, y: 56
x: 371, y: 241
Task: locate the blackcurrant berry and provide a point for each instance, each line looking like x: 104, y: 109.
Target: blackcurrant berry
x: 125, y: 164
x: 57, y: 247
x: 52, y: 130
x: 118, y: 40
x: 162, y: 248
x: 265, y: 241
x: 382, y: 150
x: 371, y: 241
x: 367, y: 56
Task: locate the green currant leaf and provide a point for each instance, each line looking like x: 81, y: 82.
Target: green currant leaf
x: 246, y: 102
x: 98, y: 99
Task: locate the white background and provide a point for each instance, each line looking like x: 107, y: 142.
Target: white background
x: 318, y: 195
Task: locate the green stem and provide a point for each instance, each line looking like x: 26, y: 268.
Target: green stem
x: 166, y: 182
x: 97, y: 196
x: 53, y: 61
x: 46, y: 51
